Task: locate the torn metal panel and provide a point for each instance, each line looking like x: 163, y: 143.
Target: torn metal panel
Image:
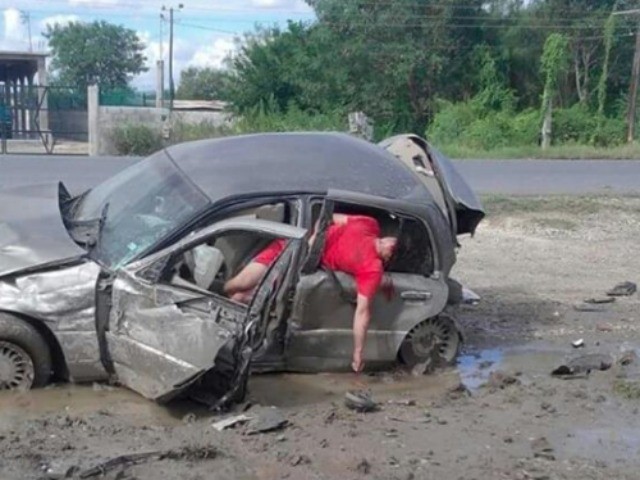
x: 162, y: 338
x: 32, y: 232
x: 321, y: 327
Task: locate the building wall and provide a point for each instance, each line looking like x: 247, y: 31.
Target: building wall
x: 108, y: 118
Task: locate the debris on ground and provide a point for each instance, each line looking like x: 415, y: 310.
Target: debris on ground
x: 578, y: 343
x: 623, y: 289
x: 499, y: 380
x: 485, y: 364
x: 266, y: 419
x: 542, y: 448
x: 589, y: 307
x: 230, y: 422
x: 297, y: 460
x: 60, y: 469
x: 129, y: 460
x: 583, y: 365
x: 604, y: 327
x: 360, y: 401
x: 402, y: 403
x: 599, y: 300
x: 628, y: 357
x: 458, y: 392
x: 364, y: 467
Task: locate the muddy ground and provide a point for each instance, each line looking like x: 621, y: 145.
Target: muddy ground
x: 499, y: 414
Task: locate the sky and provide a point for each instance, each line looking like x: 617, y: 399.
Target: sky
x: 204, y: 30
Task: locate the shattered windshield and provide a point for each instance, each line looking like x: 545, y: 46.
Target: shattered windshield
x: 145, y: 203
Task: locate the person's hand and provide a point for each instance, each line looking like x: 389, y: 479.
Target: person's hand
x: 357, y: 364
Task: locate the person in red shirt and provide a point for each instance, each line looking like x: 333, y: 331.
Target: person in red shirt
x: 352, y: 245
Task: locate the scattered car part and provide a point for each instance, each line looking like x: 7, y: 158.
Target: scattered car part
x: 578, y: 343
x: 623, y: 289
x: 266, y: 419
x: 25, y: 360
x: 360, y: 401
x: 597, y: 300
x: 469, y: 297
x: 230, y: 422
x: 583, y: 365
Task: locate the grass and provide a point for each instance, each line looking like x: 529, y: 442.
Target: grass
x: 627, y: 389
x: 566, y: 152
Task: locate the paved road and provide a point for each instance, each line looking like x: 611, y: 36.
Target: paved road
x: 523, y: 177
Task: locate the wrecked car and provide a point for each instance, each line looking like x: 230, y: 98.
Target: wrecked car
x: 124, y: 281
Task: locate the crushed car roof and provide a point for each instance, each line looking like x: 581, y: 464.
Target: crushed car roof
x: 294, y: 162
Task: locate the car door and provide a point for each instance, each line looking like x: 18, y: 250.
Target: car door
x: 322, y: 320
x: 163, y: 337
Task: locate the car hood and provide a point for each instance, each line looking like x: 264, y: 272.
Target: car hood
x: 32, y: 233
x: 465, y: 210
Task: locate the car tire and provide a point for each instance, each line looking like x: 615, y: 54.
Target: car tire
x: 25, y: 357
x: 417, y: 346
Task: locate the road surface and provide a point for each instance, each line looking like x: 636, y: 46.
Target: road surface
x: 511, y: 177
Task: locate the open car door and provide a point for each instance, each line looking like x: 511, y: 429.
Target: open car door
x: 449, y: 189
x: 163, y: 337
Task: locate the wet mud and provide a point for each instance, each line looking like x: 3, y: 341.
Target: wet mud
x: 497, y: 414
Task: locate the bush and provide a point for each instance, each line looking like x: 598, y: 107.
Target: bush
x: 450, y: 123
x: 136, y: 140
x: 293, y: 119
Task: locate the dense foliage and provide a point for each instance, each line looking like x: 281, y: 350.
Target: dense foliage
x: 474, y: 71
x: 99, y: 52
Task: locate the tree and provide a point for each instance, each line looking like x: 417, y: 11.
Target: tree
x: 203, y: 84
x: 553, y: 64
x: 95, y: 53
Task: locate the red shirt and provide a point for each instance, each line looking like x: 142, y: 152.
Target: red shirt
x: 270, y: 253
x: 348, y: 248
x: 351, y: 248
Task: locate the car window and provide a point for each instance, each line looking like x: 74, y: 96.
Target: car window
x: 208, y: 265
x: 143, y: 203
x: 414, y: 253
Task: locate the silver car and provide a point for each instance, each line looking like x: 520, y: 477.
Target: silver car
x: 124, y: 281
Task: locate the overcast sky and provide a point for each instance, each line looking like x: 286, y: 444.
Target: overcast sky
x: 203, y: 30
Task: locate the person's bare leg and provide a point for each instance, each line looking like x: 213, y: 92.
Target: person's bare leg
x: 246, y: 280
x: 243, y: 297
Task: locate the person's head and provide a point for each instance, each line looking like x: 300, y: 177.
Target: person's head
x: 386, y: 246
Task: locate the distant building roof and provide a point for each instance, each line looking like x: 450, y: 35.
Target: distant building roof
x: 15, y: 65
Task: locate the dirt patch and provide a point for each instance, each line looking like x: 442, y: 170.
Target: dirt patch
x: 499, y: 414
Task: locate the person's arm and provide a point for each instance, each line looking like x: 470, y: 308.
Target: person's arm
x: 361, y: 320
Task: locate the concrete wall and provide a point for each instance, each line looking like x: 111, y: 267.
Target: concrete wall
x: 104, y: 120
x: 112, y: 117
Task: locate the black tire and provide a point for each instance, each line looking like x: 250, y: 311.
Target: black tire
x: 25, y: 357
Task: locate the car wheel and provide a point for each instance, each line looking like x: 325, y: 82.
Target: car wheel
x: 25, y: 359
x: 435, y: 341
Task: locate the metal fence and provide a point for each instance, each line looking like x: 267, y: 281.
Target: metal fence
x: 47, y: 120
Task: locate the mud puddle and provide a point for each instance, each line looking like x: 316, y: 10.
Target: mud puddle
x: 282, y: 390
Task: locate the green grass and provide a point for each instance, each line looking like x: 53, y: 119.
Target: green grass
x: 571, y: 152
x: 627, y: 389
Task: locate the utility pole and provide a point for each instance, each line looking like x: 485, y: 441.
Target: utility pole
x: 26, y: 18
x: 633, y: 87
x: 171, y: 86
